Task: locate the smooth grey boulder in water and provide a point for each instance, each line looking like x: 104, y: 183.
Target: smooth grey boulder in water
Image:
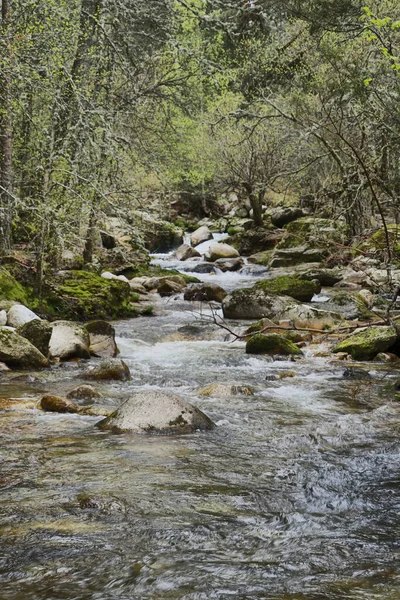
x: 151, y: 411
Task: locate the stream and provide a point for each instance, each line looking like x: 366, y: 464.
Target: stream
x: 295, y: 495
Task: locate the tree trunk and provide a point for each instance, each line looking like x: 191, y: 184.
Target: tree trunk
x: 91, y: 233
x: 6, y: 139
x: 256, y: 205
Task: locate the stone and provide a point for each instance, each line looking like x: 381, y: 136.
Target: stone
x: 229, y: 264
x: 202, y: 234
x: 286, y: 257
x: 18, y: 315
x: 83, y: 392
x: 205, y: 292
x: 355, y: 373
x: 185, y: 252
x: 326, y: 277
x: 18, y: 352
x: 309, y: 317
x: 3, y: 318
x: 102, y: 339
x: 151, y: 411
x: 251, y: 303
x: 289, y: 285
x: 272, y: 344
x: 69, y: 340
x: 283, y: 216
x: 223, y: 390
x: 257, y: 240
x: 204, y: 267
x: 170, y: 285
x: 51, y: 403
x: 111, y: 369
x: 38, y: 333
x: 108, y: 275
x: 367, y: 343
x: 221, y: 250
x: 349, y: 305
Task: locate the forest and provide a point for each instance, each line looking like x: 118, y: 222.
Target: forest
x: 199, y: 299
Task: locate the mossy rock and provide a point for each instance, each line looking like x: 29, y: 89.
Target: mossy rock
x: 289, y: 285
x: 10, y: 289
x: 86, y: 296
x: 350, y: 306
x: 261, y: 258
x: 366, y: 344
x: 377, y: 241
x: 272, y: 344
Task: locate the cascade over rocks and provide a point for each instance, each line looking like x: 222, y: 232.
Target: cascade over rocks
x: 151, y: 411
x: 205, y: 292
x: 16, y: 351
x: 255, y: 303
x: 108, y: 370
x: 69, y: 340
x: 102, y: 339
x: 38, y: 333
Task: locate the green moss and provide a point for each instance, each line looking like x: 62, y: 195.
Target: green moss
x: 366, y: 344
x: 85, y: 296
x: 261, y: 258
x: 272, y: 343
x: 288, y: 285
x: 10, y: 289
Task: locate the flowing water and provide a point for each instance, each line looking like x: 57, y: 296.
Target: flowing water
x: 295, y: 495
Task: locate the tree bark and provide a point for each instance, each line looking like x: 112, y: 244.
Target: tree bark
x: 6, y: 136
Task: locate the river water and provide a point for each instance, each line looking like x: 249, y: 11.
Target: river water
x: 295, y: 495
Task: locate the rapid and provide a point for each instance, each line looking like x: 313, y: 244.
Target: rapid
x: 295, y: 495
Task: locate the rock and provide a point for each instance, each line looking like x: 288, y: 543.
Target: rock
x: 283, y: 216
x: 204, y: 267
x: 289, y: 285
x: 17, y: 352
x: 257, y: 240
x: 386, y: 357
x: 350, y: 306
x: 38, y: 333
x: 367, y: 343
x: 308, y: 317
x: 3, y: 318
x: 254, y: 303
x: 108, y: 370
x: 205, y: 292
x: 108, y: 275
x: 221, y: 250
x: 355, y: 373
x: 170, y: 285
x: 185, y: 252
x: 69, y: 340
x: 102, y: 339
x: 326, y: 277
x: 71, y: 260
x: 229, y: 264
x: 267, y: 326
x: 18, y: 315
x: 261, y: 258
x: 202, y: 234
x: 151, y: 411
x: 271, y: 344
x: 137, y: 287
x: 10, y: 289
x: 87, y: 296
x: 3, y: 367
x: 225, y: 390
x: 286, y: 257
x: 51, y: 403
x: 83, y: 392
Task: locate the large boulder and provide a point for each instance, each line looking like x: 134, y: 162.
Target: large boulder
x: 170, y: 285
x: 350, y: 306
x: 367, y: 343
x: 18, y: 315
x: 287, y: 257
x: 257, y: 240
x: 326, y: 277
x: 255, y: 303
x: 38, y: 333
x: 102, y: 339
x: 309, y: 317
x: 283, y: 216
x: 111, y: 369
x: 205, y: 292
x: 289, y: 285
x: 18, y: 352
x: 69, y: 340
x: 185, y: 252
x: 221, y: 250
x: 151, y: 411
x: 202, y: 234
x: 272, y: 344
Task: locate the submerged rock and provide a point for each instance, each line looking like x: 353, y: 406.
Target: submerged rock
x: 18, y: 352
x: 289, y: 285
x: 255, y: 303
x: 102, y: 339
x: 69, y: 340
x: 51, y: 403
x: 83, y: 392
x: 226, y: 390
x: 151, y: 411
x: 108, y: 370
x: 272, y: 344
x: 38, y: 333
x: 205, y: 292
x: 366, y: 344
